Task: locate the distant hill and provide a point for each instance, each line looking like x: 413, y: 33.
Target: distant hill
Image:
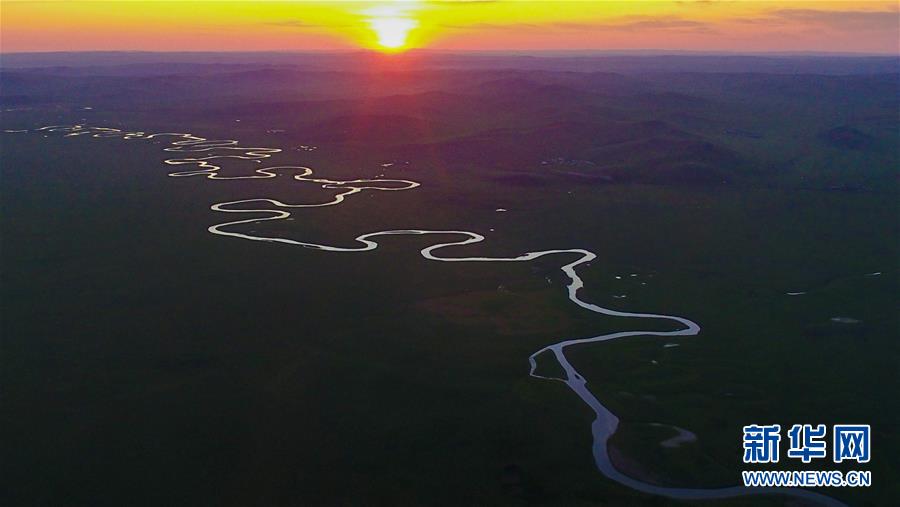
x: 845, y: 137
x: 793, y: 122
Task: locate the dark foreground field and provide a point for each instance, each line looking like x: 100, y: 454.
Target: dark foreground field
x: 148, y: 362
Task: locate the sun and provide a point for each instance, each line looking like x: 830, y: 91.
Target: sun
x: 392, y: 23
x: 392, y: 33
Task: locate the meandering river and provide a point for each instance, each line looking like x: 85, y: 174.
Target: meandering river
x: 203, y: 154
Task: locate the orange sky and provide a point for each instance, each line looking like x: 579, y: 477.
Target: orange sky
x: 710, y: 25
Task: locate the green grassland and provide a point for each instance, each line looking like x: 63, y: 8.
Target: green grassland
x: 147, y: 362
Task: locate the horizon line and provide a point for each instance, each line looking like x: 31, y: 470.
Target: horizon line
x: 511, y: 52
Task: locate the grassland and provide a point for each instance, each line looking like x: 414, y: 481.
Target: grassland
x: 147, y: 362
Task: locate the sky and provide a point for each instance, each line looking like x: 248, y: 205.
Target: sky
x: 457, y: 25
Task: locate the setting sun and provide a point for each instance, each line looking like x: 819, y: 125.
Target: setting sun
x: 392, y: 32
x: 392, y: 23
x: 392, y: 26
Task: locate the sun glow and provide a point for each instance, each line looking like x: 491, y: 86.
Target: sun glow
x: 392, y: 32
x: 393, y: 26
x: 392, y: 22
